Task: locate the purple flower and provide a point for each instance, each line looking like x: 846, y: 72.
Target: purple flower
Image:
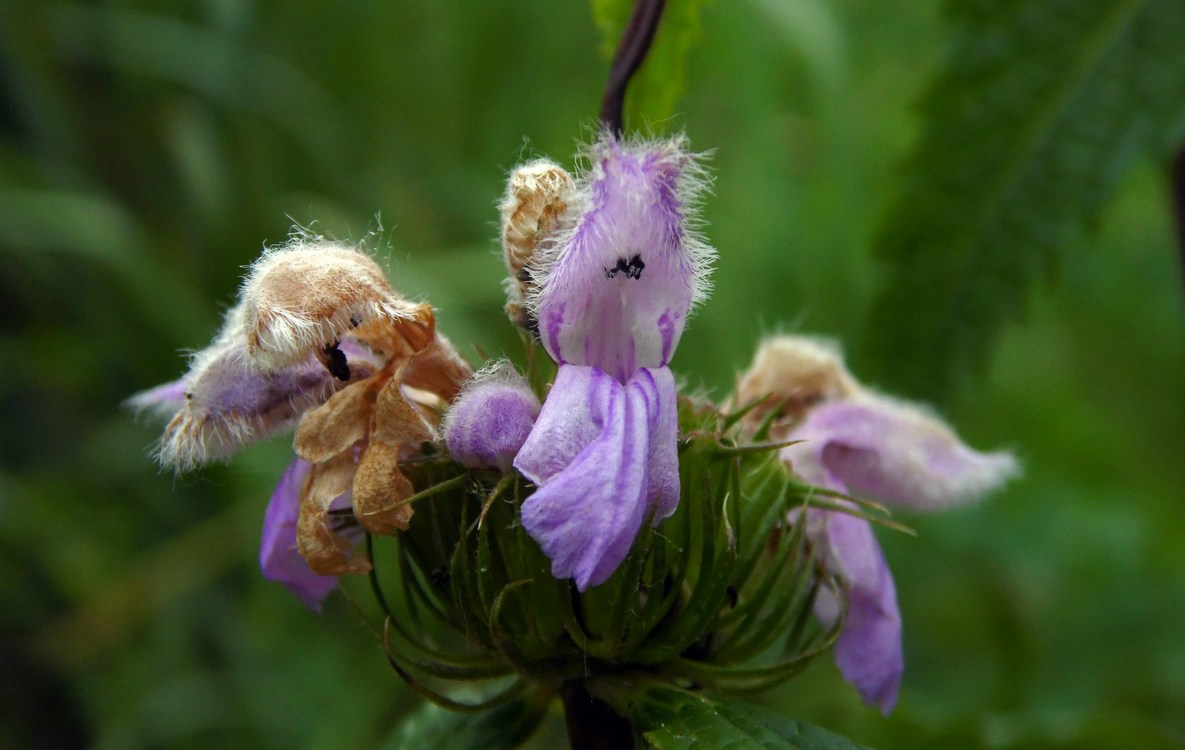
x: 611, y: 287
x: 855, y: 441
x: 604, y: 457
x: 491, y: 418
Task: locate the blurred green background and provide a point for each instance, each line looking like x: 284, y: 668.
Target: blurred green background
x: 149, y: 148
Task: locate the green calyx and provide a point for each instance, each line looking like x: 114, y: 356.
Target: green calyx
x: 719, y: 596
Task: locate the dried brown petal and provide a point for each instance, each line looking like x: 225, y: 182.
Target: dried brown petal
x: 333, y: 427
x: 438, y: 369
x: 327, y: 552
x: 399, y: 338
x: 380, y: 490
x: 536, y: 197
x: 396, y: 421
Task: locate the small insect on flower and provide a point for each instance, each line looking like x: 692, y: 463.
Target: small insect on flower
x: 320, y: 341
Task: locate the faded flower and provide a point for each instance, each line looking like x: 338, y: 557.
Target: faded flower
x: 317, y: 340
x: 852, y: 440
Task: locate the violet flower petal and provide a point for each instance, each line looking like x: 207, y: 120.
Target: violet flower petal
x: 869, y: 652
x: 278, y: 556
x: 658, y: 387
x: 617, y: 289
x: 229, y: 403
x: 491, y: 418
x: 571, y: 417
x: 896, y: 453
x: 163, y: 401
x: 592, y: 499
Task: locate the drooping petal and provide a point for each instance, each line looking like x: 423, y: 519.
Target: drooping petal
x: 616, y: 289
x: 491, y: 418
x: 897, y: 453
x: 657, y: 387
x: 585, y: 517
x: 869, y: 651
x: 278, y: 557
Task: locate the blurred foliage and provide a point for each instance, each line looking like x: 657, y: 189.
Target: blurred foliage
x: 149, y: 147
x: 1037, y: 114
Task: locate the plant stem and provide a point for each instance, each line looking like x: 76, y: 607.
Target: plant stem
x: 1177, y: 178
x: 631, y: 52
x: 592, y: 724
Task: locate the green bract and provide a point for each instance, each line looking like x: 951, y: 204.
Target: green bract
x: 717, y: 597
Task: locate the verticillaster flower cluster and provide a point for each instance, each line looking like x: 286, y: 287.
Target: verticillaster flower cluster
x: 605, y: 267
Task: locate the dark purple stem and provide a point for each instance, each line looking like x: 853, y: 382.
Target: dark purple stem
x: 1178, y: 185
x: 592, y: 724
x: 631, y: 52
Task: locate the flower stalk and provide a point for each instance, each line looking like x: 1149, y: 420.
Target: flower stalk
x: 631, y: 53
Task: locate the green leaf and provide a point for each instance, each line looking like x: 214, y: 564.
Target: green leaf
x: 502, y: 728
x: 671, y: 719
x: 654, y: 92
x: 1041, y: 108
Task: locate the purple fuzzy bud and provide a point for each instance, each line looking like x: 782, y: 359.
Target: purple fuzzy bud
x: 491, y: 418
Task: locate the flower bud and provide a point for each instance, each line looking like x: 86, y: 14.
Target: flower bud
x: 491, y: 418
x: 537, y: 194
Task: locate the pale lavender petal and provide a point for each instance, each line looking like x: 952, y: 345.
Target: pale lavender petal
x: 658, y: 388
x: 869, y: 651
x: 616, y: 290
x: 278, y: 556
x: 898, y: 453
x: 163, y: 401
x: 491, y: 418
x: 586, y: 516
x: 571, y: 417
